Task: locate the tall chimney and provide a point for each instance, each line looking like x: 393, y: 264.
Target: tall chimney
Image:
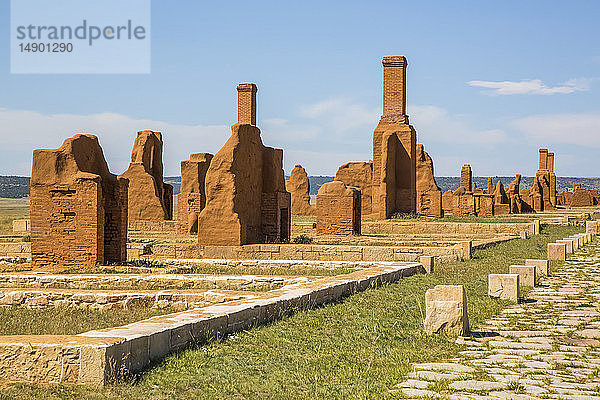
x: 466, y: 178
x: 394, y: 85
x: 543, y: 159
x: 550, y: 162
x: 247, y: 103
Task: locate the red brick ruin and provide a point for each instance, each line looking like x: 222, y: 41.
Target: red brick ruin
x: 394, y: 186
x: 78, y: 208
x: 246, y: 199
x: 150, y: 199
x: 542, y: 194
x: 299, y: 187
x: 359, y: 175
x: 192, y: 196
x: 338, y: 209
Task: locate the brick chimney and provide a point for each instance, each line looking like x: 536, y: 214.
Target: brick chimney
x: 394, y: 85
x: 247, y: 103
x: 466, y: 178
x: 550, y: 162
x: 543, y: 159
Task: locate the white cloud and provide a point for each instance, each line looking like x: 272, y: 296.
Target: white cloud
x: 23, y: 131
x: 532, y: 86
x: 437, y: 124
x: 578, y: 129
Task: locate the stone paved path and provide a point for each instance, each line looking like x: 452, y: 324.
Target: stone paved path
x: 545, y: 348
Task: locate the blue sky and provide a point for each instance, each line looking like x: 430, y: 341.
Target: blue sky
x: 489, y: 82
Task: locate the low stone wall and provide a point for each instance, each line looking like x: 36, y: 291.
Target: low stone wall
x: 391, y: 227
x: 113, y: 300
x: 97, y: 357
x: 16, y: 249
x: 145, y: 282
x: 184, y: 251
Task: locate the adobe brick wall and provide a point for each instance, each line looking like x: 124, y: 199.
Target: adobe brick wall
x: 338, y: 209
x: 78, y: 208
x: 150, y: 199
x: 360, y: 176
x: 243, y: 177
x: 466, y: 178
x: 394, y: 147
x: 192, y: 197
x: 429, y: 195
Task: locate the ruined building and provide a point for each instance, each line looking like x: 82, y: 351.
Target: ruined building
x: 246, y: 200
x: 359, y: 175
x: 429, y: 195
x: 393, y: 186
x: 78, y: 208
x: 542, y: 194
x: 192, y: 196
x: 338, y: 209
x: 150, y: 199
x: 299, y: 187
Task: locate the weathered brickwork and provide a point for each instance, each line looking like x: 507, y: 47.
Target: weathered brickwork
x: 429, y: 195
x: 394, y: 147
x: 192, y: 197
x: 246, y: 199
x: 360, y: 176
x: 542, y: 194
x: 247, y: 103
x: 78, y: 208
x: 150, y: 199
x: 299, y: 187
x: 338, y: 209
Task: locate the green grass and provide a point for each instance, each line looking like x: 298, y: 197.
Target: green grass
x: 68, y: 321
x: 11, y: 209
x: 360, y: 348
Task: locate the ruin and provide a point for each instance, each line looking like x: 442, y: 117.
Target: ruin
x: 394, y: 147
x: 581, y: 197
x: 246, y: 199
x: 429, y: 195
x: 338, y: 209
x: 542, y: 194
x: 78, y: 208
x: 463, y: 201
x: 192, y: 197
x: 150, y: 199
x: 299, y: 187
x: 360, y: 176
x: 392, y: 188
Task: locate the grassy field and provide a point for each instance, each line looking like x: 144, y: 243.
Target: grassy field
x: 11, y: 209
x: 360, y: 348
x: 68, y: 321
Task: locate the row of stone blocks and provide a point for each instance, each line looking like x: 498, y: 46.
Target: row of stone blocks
x: 446, y: 305
x: 562, y: 247
x: 101, y: 356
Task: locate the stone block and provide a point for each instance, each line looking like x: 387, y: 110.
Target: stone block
x: 446, y: 310
x: 21, y: 226
x: 467, y: 249
x: 428, y: 263
x: 541, y: 266
x: 526, y: 274
x: 569, y: 245
x: 504, y: 286
x: 591, y: 227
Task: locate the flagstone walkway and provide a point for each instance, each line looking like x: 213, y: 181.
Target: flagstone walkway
x: 547, y: 347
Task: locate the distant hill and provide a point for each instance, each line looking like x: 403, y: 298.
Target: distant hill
x: 14, y: 187
x: 18, y: 186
